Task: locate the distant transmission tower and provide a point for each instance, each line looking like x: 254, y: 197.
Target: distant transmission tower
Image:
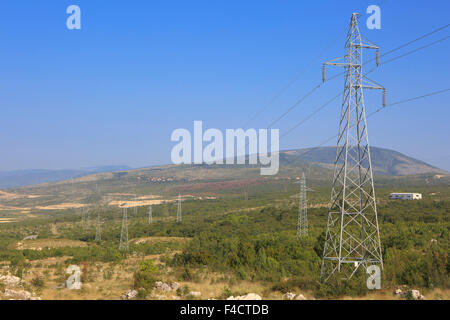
x: 98, y: 230
x: 88, y: 219
x: 150, y: 215
x: 352, y: 236
x: 124, y: 233
x: 302, y: 224
x: 83, y: 217
x: 179, y: 209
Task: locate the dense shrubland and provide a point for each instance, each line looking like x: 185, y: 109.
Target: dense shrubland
x: 254, y: 240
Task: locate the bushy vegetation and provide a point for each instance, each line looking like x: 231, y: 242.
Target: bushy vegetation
x: 145, y: 277
x: 254, y: 240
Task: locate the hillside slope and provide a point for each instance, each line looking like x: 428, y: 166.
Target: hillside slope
x: 384, y: 161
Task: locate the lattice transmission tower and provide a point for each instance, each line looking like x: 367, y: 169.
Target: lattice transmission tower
x: 150, y: 215
x: 124, y: 232
x: 83, y: 217
x: 135, y: 208
x: 179, y: 209
x: 88, y: 220
x: 352, y: 236
x: 98, y: 229
x: 302, y: 223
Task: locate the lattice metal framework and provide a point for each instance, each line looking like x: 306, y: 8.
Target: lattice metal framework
x: 88, y: 219
x: 302, y: 223
x: 98, y: 229
x: 83, y: 217
x: 150, y: 215
x: 352, y: 236
x: 124, y: 232
x: 179, y: 218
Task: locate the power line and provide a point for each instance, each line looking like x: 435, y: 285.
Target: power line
x: 409, y: 100
x: 383, y: 63
x: 293, y: 106
x: 280, y: 92
x: 415, y: 50
x: 415, y: 40
x: 376, y: 111
x: 299, y: 101
x: 401, y: 47
x: 372, y: 70
x: 310, y: 116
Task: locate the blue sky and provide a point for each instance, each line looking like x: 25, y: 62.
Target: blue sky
x: 113, y: 92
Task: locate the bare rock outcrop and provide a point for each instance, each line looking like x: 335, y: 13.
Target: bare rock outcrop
x: 10, y: 280
x: 129, y: 295
x: 411, y: 294
x: 289, y: 296
x: 166, y: 287
x: 194, y: 294
x: 415, y: 294
x: 293, y: 296
x: 20, y: 295
x: 248, y: 296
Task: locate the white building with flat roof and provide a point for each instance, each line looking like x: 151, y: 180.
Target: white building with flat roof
x: 405, y: 196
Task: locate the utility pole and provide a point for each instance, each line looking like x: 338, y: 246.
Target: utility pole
x: 352, y: 236
x: 302, y: 223
x: 124, y: 232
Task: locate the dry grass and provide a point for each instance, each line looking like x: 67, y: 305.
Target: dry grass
x: 388, y: 294
x: 138, y: 203
x: 159, y: 239
x: 105, y: 281
x: 62, y: 206
x: 7, y: 220
x: 39, y: 244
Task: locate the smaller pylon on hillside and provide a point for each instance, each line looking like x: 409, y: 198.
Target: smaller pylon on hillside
x: 83, y: 217
x: 150, y: 215
x: 88, y: 220
x: 124, y: 232
x: 302, y: 223
x: 135, y: 208
x: 98, y: 230
x: 179, y: 209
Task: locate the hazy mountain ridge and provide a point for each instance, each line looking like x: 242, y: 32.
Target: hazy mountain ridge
x: 384, y: 161
x: 17, y: 178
